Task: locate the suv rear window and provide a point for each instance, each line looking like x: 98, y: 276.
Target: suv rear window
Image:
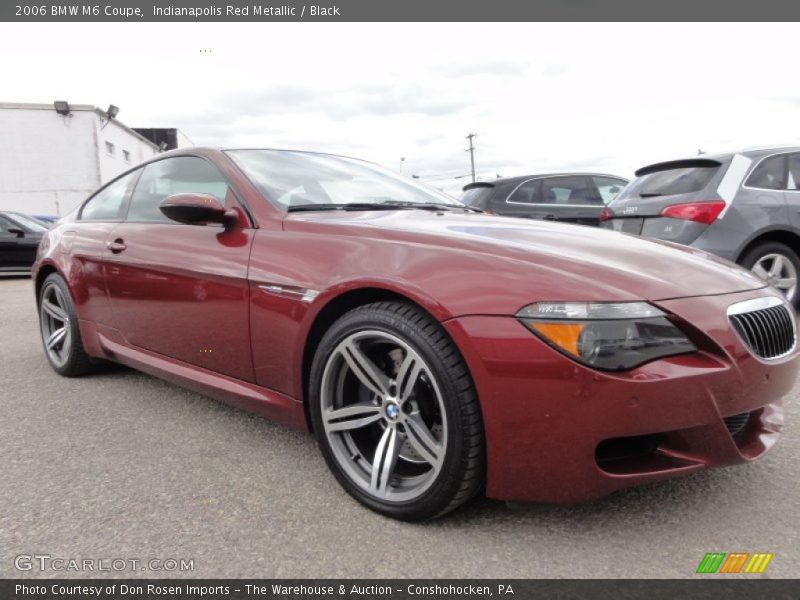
x: 668, y: 179
x: 476, y: 197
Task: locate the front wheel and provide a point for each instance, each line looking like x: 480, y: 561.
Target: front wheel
x: 395, y: 412
x: 778, y: 265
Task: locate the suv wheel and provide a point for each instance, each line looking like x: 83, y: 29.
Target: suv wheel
x: 778, y: 265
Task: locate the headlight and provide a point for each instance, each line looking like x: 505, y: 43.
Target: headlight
x: 608, y: 336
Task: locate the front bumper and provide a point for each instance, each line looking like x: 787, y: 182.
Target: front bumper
x: 548, y: 419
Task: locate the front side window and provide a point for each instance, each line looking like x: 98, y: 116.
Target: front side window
x: 568, y: 190
x: 608, y: 187
x: 106, y: 205
x: 770, y: 174
x: 179, y: 175
x: 527, y: 193
x: 293, y: 179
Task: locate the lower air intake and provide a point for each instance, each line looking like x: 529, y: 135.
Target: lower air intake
x: 736, y: 423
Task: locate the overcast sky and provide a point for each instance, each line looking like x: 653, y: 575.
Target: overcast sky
x: 541, y: 97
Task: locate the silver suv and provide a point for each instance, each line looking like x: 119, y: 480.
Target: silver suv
x: 744, y: 207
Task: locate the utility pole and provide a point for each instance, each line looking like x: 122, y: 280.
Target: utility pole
x: 471, y: 151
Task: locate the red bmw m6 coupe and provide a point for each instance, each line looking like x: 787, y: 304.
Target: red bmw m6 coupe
x: 434, y: 351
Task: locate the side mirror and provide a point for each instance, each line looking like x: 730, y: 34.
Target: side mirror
x: 16, y: 231
x: 196, y: 209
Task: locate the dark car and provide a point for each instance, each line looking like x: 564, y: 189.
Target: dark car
x: 19, y: 238
x: 568, y: 197
x: 744, y: 207
x: 435, y: 352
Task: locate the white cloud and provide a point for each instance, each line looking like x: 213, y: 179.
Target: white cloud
x: 542, y: 97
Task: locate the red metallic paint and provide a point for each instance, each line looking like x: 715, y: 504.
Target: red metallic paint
x: 177, y: 290
x: 545, y: 414
x: 182, y: 291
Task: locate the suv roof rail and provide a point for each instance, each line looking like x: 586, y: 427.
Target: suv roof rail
x: 771, y: 147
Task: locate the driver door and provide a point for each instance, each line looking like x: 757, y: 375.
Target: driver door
x: 181, y: 290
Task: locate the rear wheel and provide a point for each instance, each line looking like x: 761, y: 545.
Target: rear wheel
x: 778, y: 265
x: 395, y: 412
x: 58, y: 323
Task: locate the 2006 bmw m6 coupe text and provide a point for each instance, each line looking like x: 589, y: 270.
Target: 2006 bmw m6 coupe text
x: 434, y: 351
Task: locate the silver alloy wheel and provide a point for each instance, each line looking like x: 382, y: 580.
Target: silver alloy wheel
x: 777, y: 270
x: 54, y: 321
x: 383, y: 415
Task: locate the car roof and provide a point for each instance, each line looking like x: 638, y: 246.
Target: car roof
x: 721, y: 158
x: 758, y: 152
x: 521, y: 178
x: 212, y: 151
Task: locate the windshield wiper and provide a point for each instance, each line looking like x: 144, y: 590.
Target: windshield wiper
x: 342, y: 206
x: 430, y: 205
x: 650, y: 194
x: 388, y: 205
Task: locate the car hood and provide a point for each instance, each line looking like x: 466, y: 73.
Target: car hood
x: 560, y: 261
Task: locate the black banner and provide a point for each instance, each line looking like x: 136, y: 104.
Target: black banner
x: 400, y: 589
x: 397, y: 10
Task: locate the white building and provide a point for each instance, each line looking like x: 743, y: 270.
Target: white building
x: 50, y: 161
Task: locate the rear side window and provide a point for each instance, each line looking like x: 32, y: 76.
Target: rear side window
x: 671, y: 182
x: 182, y: 174
x: 770, y: 174
x: 568, y: 190
x: 106, y: 205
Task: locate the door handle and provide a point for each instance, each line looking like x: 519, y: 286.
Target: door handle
x: 117, y: 246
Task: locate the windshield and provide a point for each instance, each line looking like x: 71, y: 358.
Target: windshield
x: 291, y: 178
x: 28, y: 222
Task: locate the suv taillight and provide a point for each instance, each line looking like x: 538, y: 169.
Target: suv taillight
x: 605, y: 215
x: 699, y: 212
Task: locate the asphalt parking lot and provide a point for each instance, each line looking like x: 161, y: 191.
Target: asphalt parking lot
x: 122, y: 465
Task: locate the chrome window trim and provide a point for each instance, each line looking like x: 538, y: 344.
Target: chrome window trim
x: 509, y: 201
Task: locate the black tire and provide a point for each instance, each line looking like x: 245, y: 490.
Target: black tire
x: 753, y: 256
x: 76, y: 362
x: 462, y: 470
